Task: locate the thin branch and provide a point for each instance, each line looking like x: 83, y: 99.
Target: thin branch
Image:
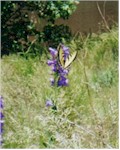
x: 103, y: 17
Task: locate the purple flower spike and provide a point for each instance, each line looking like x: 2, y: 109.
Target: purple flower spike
x: 53, y: 51
x: 1, y: 102
x: 49, y: 103
x: 62, y: 81
x: 59, y: 72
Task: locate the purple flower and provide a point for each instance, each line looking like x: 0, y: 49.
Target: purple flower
x: 53, y: 51
x: 59, y: 72
x: 1, y: 102
x: 66, y: 51
x: 1, y: 127
x: 49, y: 103
x: 63, y: 71
x: 51, y: 62
x: 1, y: 121
x: 62, y: 81
x: 54, y: 68
x: 1, y: 143
x: 1, y: 115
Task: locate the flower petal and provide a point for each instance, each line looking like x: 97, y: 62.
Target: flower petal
x: 51, y: 62
x: 53, y: 51
x: 1, y: 102
x: 49, y: 103
x: 62, y: 81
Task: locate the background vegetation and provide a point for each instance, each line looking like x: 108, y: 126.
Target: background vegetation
x: 17, y: 25
x: 87, y: 110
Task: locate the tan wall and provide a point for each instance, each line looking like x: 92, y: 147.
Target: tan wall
x: 87, y: 16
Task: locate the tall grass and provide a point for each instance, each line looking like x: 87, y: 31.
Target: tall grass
x: 87, y: 110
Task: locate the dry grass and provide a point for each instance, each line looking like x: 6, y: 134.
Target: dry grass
x: 87, y: 110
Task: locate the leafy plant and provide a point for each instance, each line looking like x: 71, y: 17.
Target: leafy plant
x: 16, y: 25
x: 55, y: 34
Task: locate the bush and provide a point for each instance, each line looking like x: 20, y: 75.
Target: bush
x: 17, y: 26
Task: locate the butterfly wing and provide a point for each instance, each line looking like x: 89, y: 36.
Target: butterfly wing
x: 61, y: 58
x: 70, y: 59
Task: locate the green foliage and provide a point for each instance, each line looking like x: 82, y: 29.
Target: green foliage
x: 87, y: 110
x: 17, y: 26
x: 59, y: 9
x: 105, y: 78
x: 55, y: 34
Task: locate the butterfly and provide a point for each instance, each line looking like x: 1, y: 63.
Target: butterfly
x: 61, y: 57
